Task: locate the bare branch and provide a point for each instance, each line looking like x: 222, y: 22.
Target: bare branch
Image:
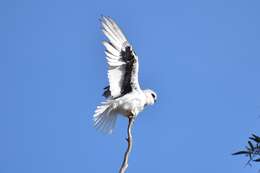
x: 129, y: 147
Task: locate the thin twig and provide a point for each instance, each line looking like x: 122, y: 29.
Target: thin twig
x: 129, y: 147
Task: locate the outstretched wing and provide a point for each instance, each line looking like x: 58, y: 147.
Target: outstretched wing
x: 121, y: 59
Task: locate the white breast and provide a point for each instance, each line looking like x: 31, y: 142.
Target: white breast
x: 132, y: 103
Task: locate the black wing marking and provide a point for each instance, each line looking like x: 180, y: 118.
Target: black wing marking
x: 127, y: 85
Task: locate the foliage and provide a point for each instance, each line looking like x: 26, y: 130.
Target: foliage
x: 252, y: 150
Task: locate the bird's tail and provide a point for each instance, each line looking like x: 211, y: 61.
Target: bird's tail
x: 105, y: 117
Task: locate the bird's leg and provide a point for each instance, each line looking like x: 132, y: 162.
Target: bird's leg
x: 131, y: 115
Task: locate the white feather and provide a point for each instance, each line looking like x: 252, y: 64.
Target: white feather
x: 105, y: 117
x: 115, y: 80
x: 113, y: 62
x: 111, y: 38
x: 111, y: 49
x: 114, y: 28
x: 116, y: 57
x: 113, y: 33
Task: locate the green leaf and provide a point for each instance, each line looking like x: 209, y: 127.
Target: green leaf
x: 248, y: 149
x: 257, y: 160
x: 256, y: 138
x: 241, y: 152
x: 251, y: 145
x: 253, y: 139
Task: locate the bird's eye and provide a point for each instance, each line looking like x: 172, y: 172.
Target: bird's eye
x: 153, y: 95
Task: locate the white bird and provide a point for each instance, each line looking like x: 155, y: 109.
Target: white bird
x: 123, y: 95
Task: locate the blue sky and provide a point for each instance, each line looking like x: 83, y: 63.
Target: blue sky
x: 201, y: 57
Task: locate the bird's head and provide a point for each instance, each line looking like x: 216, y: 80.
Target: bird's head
x: 151, y: 96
